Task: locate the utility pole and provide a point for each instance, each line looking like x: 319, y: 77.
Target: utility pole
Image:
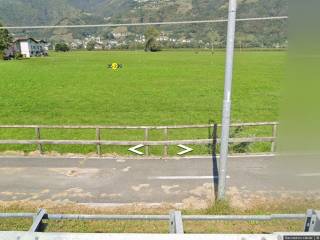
x: 227, y: 100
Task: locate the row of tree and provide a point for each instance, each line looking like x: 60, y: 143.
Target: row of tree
x: 243, y: 40
x: 151, y: 45
x: 151, y: 36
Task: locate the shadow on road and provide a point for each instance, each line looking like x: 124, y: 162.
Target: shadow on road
x: 215, y: 169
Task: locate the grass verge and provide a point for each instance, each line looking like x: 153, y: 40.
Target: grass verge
x: 224, y: 208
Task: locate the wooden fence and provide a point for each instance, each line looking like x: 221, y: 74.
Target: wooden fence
x: 165, y: 143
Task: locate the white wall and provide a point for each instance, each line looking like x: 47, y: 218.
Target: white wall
x: 25, y: 50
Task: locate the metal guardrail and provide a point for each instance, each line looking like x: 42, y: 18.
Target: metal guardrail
x: 175, y: 218
x: 146, y: 142
x: 85, y: 217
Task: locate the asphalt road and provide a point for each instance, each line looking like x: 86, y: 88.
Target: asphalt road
x: 109, y: 181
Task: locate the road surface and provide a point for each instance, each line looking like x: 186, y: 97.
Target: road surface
x: 106, y: 181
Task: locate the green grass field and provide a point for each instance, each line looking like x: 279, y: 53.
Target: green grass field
x: 165, y: 88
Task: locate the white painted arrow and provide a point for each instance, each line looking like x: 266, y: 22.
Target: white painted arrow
x: 186, y: 149
x: 134, y: 149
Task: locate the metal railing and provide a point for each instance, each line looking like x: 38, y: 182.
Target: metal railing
x: 175, y: 218
x: 175, y: 221
x: 98, y: 142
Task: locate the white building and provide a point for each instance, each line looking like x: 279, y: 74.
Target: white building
x: 30, y: 47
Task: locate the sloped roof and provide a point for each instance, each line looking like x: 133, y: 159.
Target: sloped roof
x: 25, y: 39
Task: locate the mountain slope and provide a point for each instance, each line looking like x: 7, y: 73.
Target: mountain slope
x: 49, y: 12
x: 35, y: 12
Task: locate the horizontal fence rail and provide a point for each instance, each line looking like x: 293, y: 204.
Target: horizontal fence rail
x: 98, y: 142
x: 84, y: 217
x: 137, y: 127
x: 129, y: 143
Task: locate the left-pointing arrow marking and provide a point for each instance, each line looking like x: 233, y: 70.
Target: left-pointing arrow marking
x: 186, y: 149
x: 134, y: 149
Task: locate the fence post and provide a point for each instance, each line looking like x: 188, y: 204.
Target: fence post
x: 165, y: 147
x: 146, y: 138
x: 176, y: 223
x: 38, y: 137
x: 274, y: 134
x: 38, y: 225
x: 98, y: 138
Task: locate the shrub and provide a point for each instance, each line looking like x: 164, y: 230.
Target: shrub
x: 62, y: 47
x: 18, y: 56
x: 152, y: 45
x: 91, y: 45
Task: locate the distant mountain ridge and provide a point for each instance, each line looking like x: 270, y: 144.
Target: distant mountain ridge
x: 55, y: 12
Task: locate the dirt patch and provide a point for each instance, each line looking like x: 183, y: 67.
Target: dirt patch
x: 244, y: 200
x: 204, y: 191
x: 201, y: 197
x: 195, y: 203
x: 72, y: 193
x: 140, y: 187
x: 10, y: 171
x: 67, y: 206
x: 112, y: 195
x: 75, y: 172
x: 13, y: 193
x: 126, y: 169
x: 170, y: 189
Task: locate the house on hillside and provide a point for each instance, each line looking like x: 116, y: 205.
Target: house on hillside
x: 27, y: 47
x: 44, y: 46
x: 99, y: 46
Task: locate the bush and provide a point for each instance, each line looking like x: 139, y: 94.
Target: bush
x: 91, y: 45
x: 18, y: 56
x: 152, y: 45
x: 62, y: 47
x: 155, y: 48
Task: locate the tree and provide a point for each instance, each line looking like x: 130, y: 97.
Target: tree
x: 243, y: 40
x: 91, y: 45
x: 214, y: 38
x: 151, y: 36
x: 62, y: 47
x: 108, y: 36
x: 5, y: 39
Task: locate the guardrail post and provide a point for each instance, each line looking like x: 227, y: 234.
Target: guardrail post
x: 274, y: 134
x: 165, y: 147
x: 176, y: 223
x: 37, y: 225
x: 312, y: 222
x: 98, y: 137
x: 38, y: 137
x: 146, y: 138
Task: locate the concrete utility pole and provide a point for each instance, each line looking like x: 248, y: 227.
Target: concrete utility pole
x: 227, y: 99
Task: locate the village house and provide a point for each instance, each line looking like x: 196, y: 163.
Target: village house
x: 27, y: 47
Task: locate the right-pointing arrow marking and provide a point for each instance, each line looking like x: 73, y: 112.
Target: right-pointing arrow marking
x: 186, y: 149
x: 134, y: 149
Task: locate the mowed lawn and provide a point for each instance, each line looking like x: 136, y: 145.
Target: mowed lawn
x: 165, y: 88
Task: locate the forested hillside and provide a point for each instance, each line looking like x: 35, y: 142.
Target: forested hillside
x: 48, y: 12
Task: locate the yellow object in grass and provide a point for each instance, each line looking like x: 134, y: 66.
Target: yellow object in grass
x: 114, y: 66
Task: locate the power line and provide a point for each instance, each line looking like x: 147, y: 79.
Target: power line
x: 144, y: 24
